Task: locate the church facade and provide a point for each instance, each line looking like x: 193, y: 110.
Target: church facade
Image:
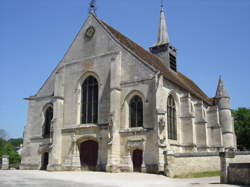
x: 111, y: 105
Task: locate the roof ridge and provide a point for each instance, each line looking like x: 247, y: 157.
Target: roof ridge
x: 175, y: 77
x: 193, y: 83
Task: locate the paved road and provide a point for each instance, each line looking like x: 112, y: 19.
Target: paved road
x: 18, y: 178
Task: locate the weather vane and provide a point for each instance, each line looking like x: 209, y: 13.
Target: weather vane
x: 92, y: 6
x: 162, y: 5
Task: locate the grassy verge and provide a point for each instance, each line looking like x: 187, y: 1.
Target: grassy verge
x: 200, y: 175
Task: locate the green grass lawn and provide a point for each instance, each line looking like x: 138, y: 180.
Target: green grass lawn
x: 199, y: 175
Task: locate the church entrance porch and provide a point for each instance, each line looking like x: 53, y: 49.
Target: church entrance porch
x: 89, y: 155
x: 137, y: 160
x: 45, y: 161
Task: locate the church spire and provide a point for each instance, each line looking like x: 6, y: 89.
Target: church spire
x: 163, y: 31
x: 162, y: 49
x: 221, y: 91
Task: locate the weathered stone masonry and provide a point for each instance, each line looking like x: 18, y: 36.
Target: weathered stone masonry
x: 130, y: 122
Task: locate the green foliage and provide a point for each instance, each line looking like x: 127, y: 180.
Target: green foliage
x: 6, y: 148
x: 242, y: 127
x: 2, y: 147
x: 13, y: 155
x: 16, y: 142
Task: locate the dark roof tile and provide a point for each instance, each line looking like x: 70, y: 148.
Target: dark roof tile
x: 175, y: 77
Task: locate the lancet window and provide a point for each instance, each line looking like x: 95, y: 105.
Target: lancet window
x: 48, y: 115
x: 136, y: 112
x: 171, y: 117
x: 89, y: 100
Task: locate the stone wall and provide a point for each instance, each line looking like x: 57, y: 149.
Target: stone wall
x: 235, y: 167
x: 239, y: 173
x: 240, y: 157
x: 184, y: 163
x: 100, y: 57
x: 5, y: 162
x: 177, y: 164
x: 120, y: 75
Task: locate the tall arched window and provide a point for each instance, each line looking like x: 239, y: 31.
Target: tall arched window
x: 171, y: 112
x: 47, y: 122
x: 89, y: 100
x: 136, y: 112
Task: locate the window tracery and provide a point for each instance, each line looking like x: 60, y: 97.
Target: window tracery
x: 89, y: 100
x: 136, y: 112
x: 171, y: 117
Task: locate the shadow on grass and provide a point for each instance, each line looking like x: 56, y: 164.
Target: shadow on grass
x: 200, y: 175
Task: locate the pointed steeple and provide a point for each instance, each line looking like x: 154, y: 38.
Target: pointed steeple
x: 222, y: 100
x: 163, y: 49
x: 221, y: 90
x: 163, y: 31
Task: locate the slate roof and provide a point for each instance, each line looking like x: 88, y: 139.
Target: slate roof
x: 175, y: 77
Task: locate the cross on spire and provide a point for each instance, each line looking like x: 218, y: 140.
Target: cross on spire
x: 92, y: 6
x: 162, y: 5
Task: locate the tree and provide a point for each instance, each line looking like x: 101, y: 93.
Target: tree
x: 242, y: 127
x: 2, y: 147
x: 3, y: 137
x: 16, y: 142
x: 14, y: 157
x: 9, y: 147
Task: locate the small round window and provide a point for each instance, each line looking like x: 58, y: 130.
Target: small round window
x: 89, y: 32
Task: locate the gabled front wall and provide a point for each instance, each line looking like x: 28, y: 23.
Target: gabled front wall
x: 93, y: 57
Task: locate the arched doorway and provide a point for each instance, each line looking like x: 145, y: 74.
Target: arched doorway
x: 45, y: 161
x: 137, y: 160
x: 89, y: 154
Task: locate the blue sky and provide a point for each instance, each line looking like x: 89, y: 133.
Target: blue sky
x: 212, y: 38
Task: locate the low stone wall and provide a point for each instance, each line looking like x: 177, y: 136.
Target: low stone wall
x: 240, y: 157
x: 235, y: 167
x: 239, y: 173
x: 186, y: 163
x: 5, y: 162
x: 177, y: 164
x: 29, y: 167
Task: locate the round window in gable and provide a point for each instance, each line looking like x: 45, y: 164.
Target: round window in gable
x: 89, y: 33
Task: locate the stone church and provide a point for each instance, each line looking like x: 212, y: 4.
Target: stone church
x: 111, y: 105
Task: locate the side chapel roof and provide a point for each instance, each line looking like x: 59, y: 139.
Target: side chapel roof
x: 175, y: 77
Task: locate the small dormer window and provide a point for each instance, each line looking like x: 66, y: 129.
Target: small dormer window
x: 172, y: 60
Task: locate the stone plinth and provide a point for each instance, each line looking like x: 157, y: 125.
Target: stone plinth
x: 5, y: 162
x: 225, y: 159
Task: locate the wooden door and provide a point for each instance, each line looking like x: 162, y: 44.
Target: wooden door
x: 137, y: 160
x: 89, y: 154
x: 45, y: 161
